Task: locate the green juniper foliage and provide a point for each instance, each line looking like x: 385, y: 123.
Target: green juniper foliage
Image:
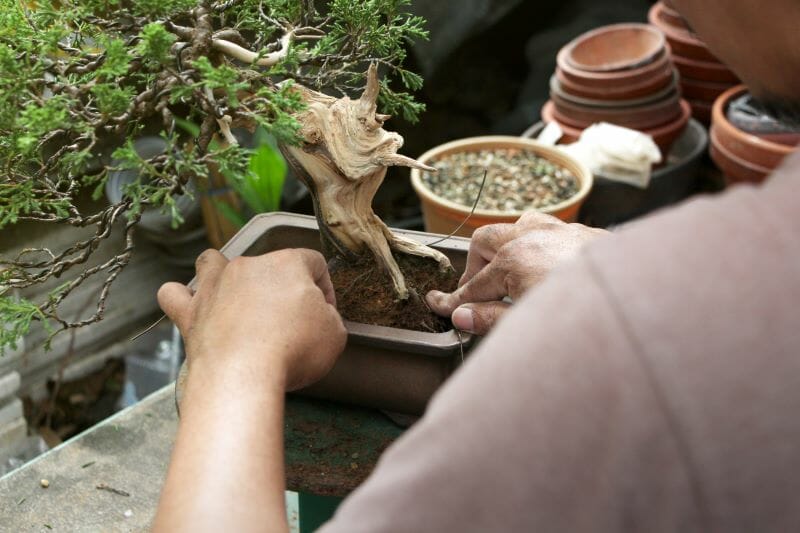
x: 80, y: 80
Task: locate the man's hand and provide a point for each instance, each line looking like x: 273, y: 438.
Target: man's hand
x: 273, y: 313
x: 255, y: 328
x: 505, y: 260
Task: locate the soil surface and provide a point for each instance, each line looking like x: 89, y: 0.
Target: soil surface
x: 74, y: 406
x: 364, y: 293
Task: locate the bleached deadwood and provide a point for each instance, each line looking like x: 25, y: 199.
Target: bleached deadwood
x: 343, y: 159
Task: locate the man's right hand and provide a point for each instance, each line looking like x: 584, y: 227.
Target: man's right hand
x: 505, y: 260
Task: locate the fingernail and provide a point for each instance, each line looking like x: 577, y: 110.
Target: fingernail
x: 462, y: 319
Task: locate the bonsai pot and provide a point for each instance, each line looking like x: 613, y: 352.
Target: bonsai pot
x: 611, y: 202
x: 706, y: 91
x: 444, y: 216
x: 636, y: 117
x: 673, y: 17
x: 681, y: 41
x: 392, y: 369
x: 663, y: 135
x: 658, y: 69
x: 735, y: 168
x: 614, y: 48
x: 557, y: 91
x: 758, y: 152
x: 701, y: 111
x: 613, y: 90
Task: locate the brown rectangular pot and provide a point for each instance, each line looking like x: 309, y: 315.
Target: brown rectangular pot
x: 388, y: 368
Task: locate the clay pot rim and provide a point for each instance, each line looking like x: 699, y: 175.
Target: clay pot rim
x: 420, y: 341
x: 749, y: 165
x: 625, y: 89
x: 660, y: 135
x: 555, y: 87
x: 666, y: 102
x: 677, y: 124
x: 470, y: 144
x: 639, y: 75
x: 670, y: 108
x: 658, y: 131
x: 719, y: 120
x: 604, y: 31
x: 681, y: 36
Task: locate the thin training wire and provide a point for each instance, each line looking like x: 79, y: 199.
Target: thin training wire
x: 148, y: 329
x: 460, y: 344
x: 472, y: 211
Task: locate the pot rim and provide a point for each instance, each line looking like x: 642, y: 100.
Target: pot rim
x: 555, y: 87
x: 719, y: 120
x: 640, y: 74
x: 681, y: 36
x: 422, y: 342
x: 650, y: 57
x: 470, y: 144
x: 649, y: 86
x: 749, y: 165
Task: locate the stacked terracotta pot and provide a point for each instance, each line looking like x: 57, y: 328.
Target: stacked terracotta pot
x: 621, y: 74
x: 743, y: 156
x: 703, y: 76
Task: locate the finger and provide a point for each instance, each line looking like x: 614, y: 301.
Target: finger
x: 533, y: 219
x: 479, y: 318
x: 209, y: 267
x: 318, y: 268
x: 484, y: 245
x: 485, y: 286
x: 175, y: 300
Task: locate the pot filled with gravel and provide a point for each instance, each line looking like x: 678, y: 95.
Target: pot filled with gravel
x: 521, y: 175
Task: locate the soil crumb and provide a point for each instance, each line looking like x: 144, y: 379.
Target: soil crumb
x: 364, y: 293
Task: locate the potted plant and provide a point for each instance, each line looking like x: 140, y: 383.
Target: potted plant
x: 521, y: 174
x: 76, y: 77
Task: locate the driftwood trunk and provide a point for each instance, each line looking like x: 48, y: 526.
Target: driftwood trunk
x: 343, y: 161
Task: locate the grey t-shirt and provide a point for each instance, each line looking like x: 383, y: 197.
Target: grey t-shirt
x: 653, y: 384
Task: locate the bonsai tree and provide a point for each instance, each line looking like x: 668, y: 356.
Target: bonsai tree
x: 80, y: 80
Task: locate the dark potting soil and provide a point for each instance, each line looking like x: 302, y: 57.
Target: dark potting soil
x: 365, y: 294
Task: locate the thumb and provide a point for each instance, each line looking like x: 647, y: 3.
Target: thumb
x: 175, y: 300
x: 479, y: 318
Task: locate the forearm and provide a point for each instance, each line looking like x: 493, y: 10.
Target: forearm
x: 227, y: 471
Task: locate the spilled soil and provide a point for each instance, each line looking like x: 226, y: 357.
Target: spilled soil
x: 365, y: 294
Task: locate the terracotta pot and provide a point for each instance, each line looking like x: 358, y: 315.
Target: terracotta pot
x: 702, y: 90
x: 618, y: 47
x: 745, y: 146
x: 444, y: 216
x: 735, y: 169
x: 673, y: 18
x: 663, y: 136
x: 392, y: 369
x: 681, y: 41
x: 556, y: 91
x: 710, y: 71
x: 658, y: 68
x: 701, y: 110
x: 616, y: 91
x: 636, y: 117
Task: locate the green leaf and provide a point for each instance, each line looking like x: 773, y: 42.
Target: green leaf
x: 230, y: 213
x: 263, y: 185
